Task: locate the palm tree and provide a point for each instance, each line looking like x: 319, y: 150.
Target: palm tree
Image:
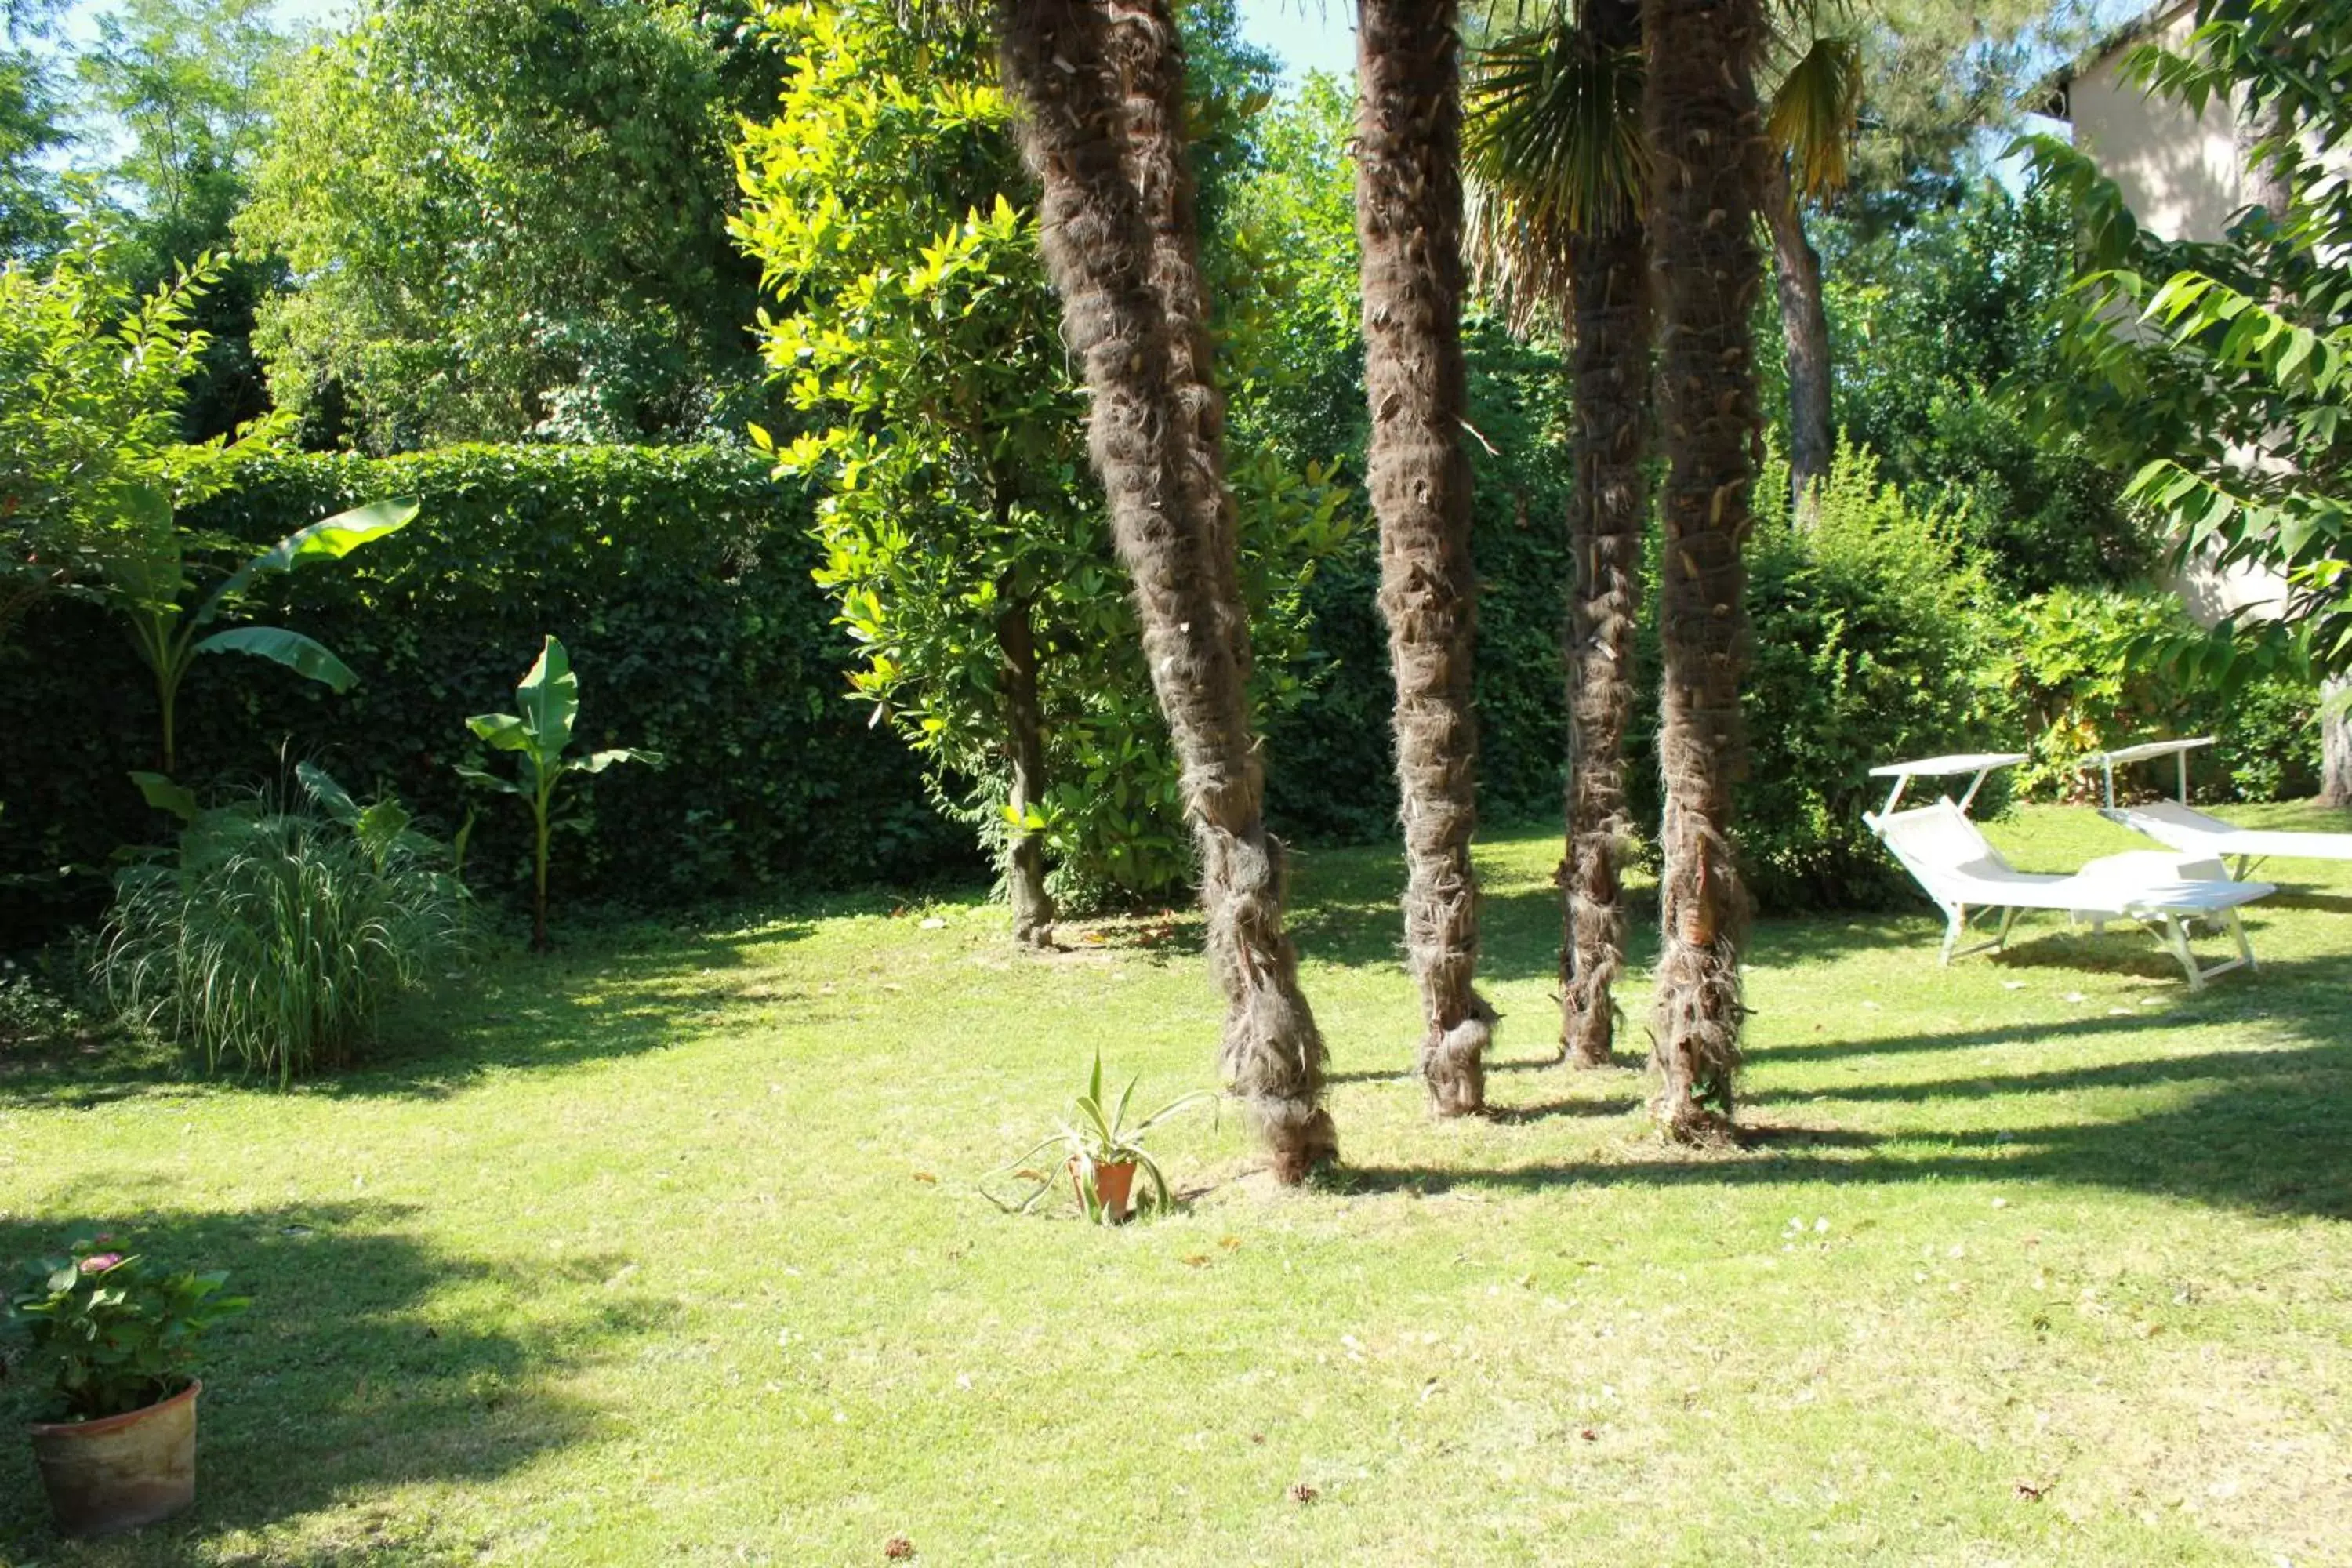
x: 1706, y: 138
x: 1557, y: 157
x: 1814, y: 113
x: 1086, y: 137
x: 1548, y: 145
x: 1409, y: 220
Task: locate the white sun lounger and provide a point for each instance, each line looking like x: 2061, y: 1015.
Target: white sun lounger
x: 2178, y: 824
x: 1942, y: 848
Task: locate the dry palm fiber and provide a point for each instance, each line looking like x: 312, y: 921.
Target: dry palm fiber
x: 1705, y: 137
x: 1409, y: 219
x: 1609, y: 329
x: 1097, y: 247
x: 1147, y: 52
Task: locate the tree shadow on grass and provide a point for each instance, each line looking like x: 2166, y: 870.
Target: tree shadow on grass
x: 621, y: 992
x: 344, y: 1377
x: 2260, y: 1130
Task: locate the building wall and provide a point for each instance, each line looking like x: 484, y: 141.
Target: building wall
x: 2179, y: 172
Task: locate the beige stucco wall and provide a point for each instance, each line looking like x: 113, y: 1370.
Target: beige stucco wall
x: 2180, y: 174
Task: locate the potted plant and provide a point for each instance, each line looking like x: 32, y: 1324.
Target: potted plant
x: 1102, y: 1152
x: 119, y: 1449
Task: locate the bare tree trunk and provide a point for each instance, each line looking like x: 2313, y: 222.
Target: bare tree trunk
x: 1609, y: 328
x: 1409, y: 219
x: 2334, y: 749
x: 1024, y: 872
x: 1706, y: 147
x: 1805, y: 332
x: 1098, y: 245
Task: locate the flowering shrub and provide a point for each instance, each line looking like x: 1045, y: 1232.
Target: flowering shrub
x: 115, y: 1337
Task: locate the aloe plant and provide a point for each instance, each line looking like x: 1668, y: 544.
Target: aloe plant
x: 1096, y: 1133
x: 548, y: 696
x: 148, y: 582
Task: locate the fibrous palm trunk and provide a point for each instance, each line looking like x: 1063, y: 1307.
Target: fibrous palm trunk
x: 1609, y: 333
x: 1098, y: 239
x: 1146, y: 54
x: 1409, y: 220
x: 1705, y: 139
x: 1805, y: 335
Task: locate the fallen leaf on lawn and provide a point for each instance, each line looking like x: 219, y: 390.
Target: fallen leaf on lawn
x: 927, y: 1178
x: 1094, y: 938
x: 1229, y: 1242
x: 1300, y: 1492
x: 897, y: 1547
x: 2031, y: 1491
x: 1196, y: 1261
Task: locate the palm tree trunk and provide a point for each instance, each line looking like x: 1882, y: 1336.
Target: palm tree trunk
x: 1147, y: 52
x: 1409, y: 220
x: 1805, y: 333
x: 1705, y: 145
x: 1098, y: 245
x: 1024, y: 873
x: 1609, y: 329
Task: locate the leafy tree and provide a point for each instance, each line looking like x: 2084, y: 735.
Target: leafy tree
x: 1100, y: 98
x: 1930, y: 315
x: 508, y: 219
x: 963, y: 543
x: 2232, y: 388
x: 184, y: 82
x: 91, y: 378
x: 32, y: 131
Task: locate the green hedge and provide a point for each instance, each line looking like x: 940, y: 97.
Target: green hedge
x: 679, y: 579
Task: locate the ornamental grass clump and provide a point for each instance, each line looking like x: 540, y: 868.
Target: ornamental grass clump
x: 280, y: 931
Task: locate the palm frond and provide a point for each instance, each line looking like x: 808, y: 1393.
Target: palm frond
x: 1552, y: 149
x: 1814, y: 111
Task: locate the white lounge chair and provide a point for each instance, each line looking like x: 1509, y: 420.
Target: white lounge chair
x: 1942, y: 848
x: 2177, y: 823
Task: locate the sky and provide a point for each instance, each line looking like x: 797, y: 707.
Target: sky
x: 1306, y: 35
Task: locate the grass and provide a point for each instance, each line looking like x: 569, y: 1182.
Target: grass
x: 668, y: 1251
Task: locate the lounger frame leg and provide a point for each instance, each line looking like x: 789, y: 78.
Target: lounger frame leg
x: 1955, y: 926
x: 2176, y: 941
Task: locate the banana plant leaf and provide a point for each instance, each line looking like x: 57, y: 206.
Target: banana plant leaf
x: 297, y: 653
x: 549, y: 699
x: 330, y: 539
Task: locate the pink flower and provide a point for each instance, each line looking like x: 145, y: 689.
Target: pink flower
x: 99, y: 1262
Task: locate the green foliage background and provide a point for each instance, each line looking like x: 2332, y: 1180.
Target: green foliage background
x: 680, y: 579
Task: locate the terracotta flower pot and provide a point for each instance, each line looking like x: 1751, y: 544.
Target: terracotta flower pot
x: 119, y: 1472
x: 1112, y: 1185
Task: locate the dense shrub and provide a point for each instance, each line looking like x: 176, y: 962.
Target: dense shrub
x: 1873, y: 630
x: 680, y: 579
x: 1931, y: 320
x: 2083, y: 683
x: 274, y: 937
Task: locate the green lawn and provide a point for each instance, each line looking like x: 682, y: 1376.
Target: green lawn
x: 669, y: 1250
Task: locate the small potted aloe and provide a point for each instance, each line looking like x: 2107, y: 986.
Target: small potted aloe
x: 119, y: 1343
x: 1102, y: 1152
